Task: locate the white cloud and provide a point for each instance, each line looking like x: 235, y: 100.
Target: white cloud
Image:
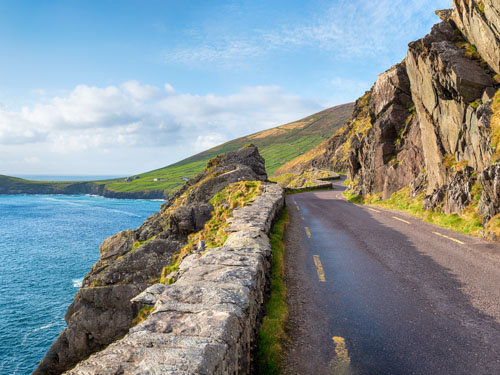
x: 141, y: 92
x: 135, y: 116
x: 168, y: 88
x: 347, y: 28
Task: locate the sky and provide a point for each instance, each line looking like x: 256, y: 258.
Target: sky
x: 119, y: 87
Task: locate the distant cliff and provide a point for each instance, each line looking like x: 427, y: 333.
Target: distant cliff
x: 13, y: 185
x: 430, y: 123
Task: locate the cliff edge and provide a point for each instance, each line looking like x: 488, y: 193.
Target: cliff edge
x: 133, y: 260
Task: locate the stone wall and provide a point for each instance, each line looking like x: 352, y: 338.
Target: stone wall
x: 207, y: 322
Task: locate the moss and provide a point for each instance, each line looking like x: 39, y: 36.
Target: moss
x: 142, y: 315
x: 140, y: 243
x: 272, y: 333
x: 475, y: 104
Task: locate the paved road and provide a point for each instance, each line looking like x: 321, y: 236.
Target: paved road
x: 374, y: 291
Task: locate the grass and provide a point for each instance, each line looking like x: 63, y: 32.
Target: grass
x: 495, y: 126
x: 468, y: 223
x: 272, y: 334
x: 233, y: 196
x: 137, y: 244
x: 142, y: 315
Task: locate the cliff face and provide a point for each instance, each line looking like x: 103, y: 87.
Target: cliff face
x: 432, y: 121
x: 130, y: 261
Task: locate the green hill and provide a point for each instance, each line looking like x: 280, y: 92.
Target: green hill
x: 277, y: 145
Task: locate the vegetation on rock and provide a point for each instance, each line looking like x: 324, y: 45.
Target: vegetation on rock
x: 233, y: 196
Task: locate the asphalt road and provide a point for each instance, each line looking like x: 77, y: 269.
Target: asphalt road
x: 375, y: 291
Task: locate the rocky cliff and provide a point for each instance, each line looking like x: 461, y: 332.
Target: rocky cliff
x: 12, y: 185
x: 430, y: 122
x: 132, y: 260
x: 207, y: 322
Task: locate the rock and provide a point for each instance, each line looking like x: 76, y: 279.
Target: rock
x: 97, y: 317
x: 191, y: 218
x: 489, y: 203
x: 443, y: 84
x: 434, y: 199
x: 200, y: 247
x: 459, y: 191
x: 481, y: 28
x: 140, y: 265
x: 117, y: 244
x: 380, y: 147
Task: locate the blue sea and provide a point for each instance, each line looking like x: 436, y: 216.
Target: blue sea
x: 47, y: 245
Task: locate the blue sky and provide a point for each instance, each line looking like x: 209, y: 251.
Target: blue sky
x: 121, y: 87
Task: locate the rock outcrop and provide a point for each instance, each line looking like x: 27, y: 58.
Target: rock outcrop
x: 205, y: 323
x: 131, y: 261
x: 432, y: 121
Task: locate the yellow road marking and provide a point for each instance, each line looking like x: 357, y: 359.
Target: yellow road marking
x: 319, y: 268
x: 308, y: 232
x: 372, y: 209
x: 449, y: 238
x: 404, y: 221
x: 341, y: 351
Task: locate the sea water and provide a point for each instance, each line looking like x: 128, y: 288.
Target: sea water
x: 47, y: 245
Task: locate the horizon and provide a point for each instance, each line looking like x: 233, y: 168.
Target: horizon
x: 99, y: 89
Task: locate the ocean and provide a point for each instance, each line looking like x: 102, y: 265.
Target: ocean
x: 47, y: 245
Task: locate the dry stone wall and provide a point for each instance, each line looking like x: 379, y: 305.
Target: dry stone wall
x: 205, y: 323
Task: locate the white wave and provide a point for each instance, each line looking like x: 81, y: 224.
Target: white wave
x: 26, y: 337
x: 77, y: 283
x: 120, y: 211
x: 45, y: 326
x: 66, y: 202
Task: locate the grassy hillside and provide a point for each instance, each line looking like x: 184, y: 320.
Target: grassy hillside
x: 277, y: 145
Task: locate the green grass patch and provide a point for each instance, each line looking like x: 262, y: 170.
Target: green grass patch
x: 468, y: 223
x: 272, y: 335
x: 140, y: 243
x: 142, y: 315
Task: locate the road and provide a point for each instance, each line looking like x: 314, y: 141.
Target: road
x: 375, y: 291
